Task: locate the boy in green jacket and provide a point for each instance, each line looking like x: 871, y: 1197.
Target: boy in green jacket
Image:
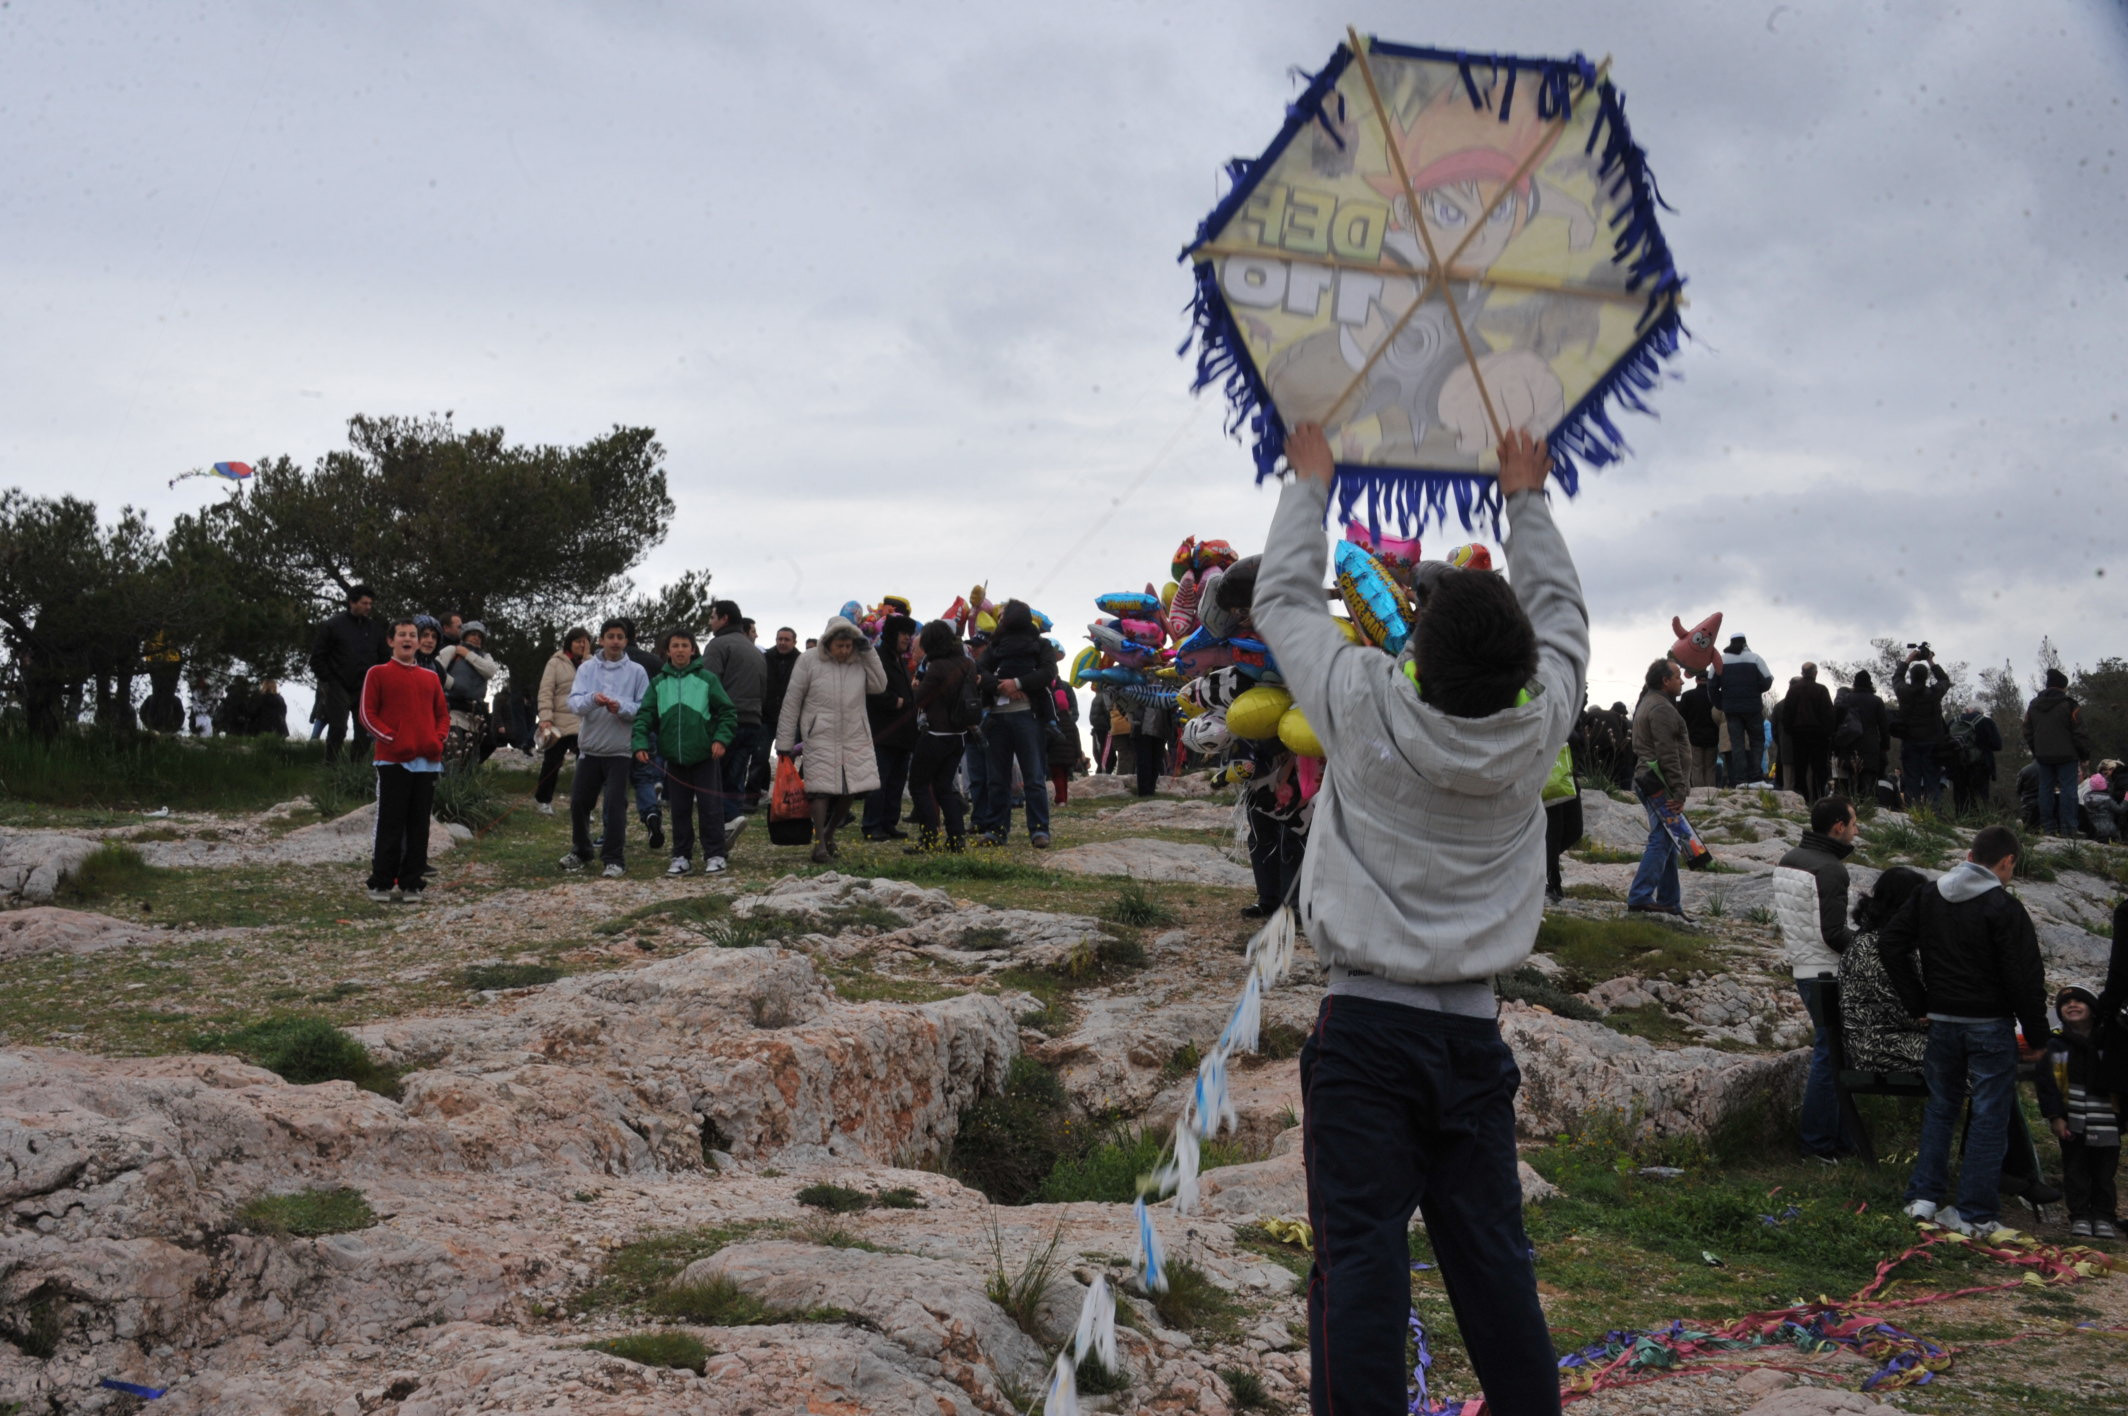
x: 688, y: 719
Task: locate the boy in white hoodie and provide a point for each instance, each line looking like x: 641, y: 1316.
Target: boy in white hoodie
x: 609, y: 688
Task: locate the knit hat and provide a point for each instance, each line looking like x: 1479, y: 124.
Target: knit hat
x: 2082, y: 995
x: 2097, y: 782
x: 472, y: 627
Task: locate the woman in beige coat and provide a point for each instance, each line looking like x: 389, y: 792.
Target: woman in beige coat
x: 824, y: 722
x: 557, y: 725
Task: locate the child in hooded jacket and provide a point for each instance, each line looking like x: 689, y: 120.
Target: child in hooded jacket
x: 2085, y: 1120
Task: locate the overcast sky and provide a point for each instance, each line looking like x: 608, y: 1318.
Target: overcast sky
x: 896, y: 284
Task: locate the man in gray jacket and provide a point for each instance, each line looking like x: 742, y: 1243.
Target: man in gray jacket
x: 743, y: 670
x: 1424, y: 878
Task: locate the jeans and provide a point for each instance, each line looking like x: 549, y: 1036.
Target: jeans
x: 1747, y: 760
x: 1820, y: 1121
x: 697, y: 789
x: 1656, y: 882
x: 1408, y: 1109
x: 932, y: 770
x: 882, y: 808
x: 399, y: 848
x: 2057, y: 797
x: 748, y: 741
x: 1982, y: 1057
x: 1010, y: 737
x: 1920, y: 779
x: 603, y: 780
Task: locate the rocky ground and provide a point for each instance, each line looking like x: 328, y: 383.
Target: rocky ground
x: 559, y: 1155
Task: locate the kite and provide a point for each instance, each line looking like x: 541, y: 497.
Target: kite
x: 1438, y: 247
x: 237, y: 472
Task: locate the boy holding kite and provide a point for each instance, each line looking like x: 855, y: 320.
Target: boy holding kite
x: 1424, y: 878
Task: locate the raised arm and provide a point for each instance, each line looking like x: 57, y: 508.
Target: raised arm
x: 1545, y: 582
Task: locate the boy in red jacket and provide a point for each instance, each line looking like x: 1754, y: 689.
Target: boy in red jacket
x: 403, y: 709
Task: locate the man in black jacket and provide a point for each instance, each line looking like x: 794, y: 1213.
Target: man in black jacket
x: 1740, y: 687
x: 2054, y: 730
x: 1980, y: 970
x: 739, y: 666
x: 348, y: 646
x: 1810, y: 727
x: 1921, y: 727
x: 1696, y: 706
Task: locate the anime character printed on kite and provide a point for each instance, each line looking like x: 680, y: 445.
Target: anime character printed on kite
x: 1694, y: 648
x: 1476, y: 196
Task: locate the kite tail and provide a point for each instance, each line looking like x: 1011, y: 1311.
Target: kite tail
x: 1399, y: 498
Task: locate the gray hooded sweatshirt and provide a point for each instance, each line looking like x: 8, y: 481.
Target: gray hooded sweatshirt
x: 604, y: 734
x: 1425, y: 863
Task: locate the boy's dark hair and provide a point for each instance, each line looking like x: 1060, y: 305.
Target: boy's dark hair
x: 939, y: 641
x: 1830, y: 812
x: 724, y: 609
x: 620, y: 624
x: 572, y: 634
x: 360, y: 592
x: 1917, y: 675
x: 1657, y: 675
x: 1995, y: 844
x: 1476, y: 650
x: 665, y: 641
x: 408, y: 621
x: 1236, y: 590
x: 1015, y: 618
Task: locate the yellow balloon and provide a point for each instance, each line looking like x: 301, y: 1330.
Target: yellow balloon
x: 1255, y: 712
x: 1294, y: 732
x: 1167, y: 594
x: 1347, y: 628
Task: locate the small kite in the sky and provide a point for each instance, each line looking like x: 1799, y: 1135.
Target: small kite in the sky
x: 237, y: 472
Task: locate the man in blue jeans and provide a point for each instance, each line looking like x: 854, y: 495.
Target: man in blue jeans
x: 1662, y: 770
x: 1980, y: 977
x: 1423, y: 879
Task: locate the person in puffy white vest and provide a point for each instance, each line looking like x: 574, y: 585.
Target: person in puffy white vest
x: 1810, y: 900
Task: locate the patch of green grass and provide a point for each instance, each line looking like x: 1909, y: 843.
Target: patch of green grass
x: 1759, y: 915
x: 1050, y: 991
x: 113, y: 871
x: 1650, y: 1021
x: 1021, y: 1291
x: 124, y: 770
x: 1605, y: 855
x: 856, y: 983
x: 1589, y: 891
x: 472, y: 796
x: 1280, y: 1042
x: 1181, y: 1062
x: 1528, y: 985
x: 1110, y: 1171
x: 1134, y: 906
x: 1192, y: 1303
x: 1096, y: 1380
x: 1245, y: 1389
x: 1009, y: 1143
x: 338, y: 787
x: 667, y: 1348
x: 981, y: 938
x: 690, y: 910
x: 835, y: 1199
x: 1293, y: 1258
x: 844, y: 918
x: 721, y: 1302
x: 970, y: 865
x: 306, y: 1214
x: 339, y: 992
x: 1596, y: 949
x: 305, y: 1050
x: 637, y: 1271
x: 479, y: 978
x: 156, y: 833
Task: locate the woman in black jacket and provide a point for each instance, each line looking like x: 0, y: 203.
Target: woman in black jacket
x: 894, y: 732
x: 948, y: 707
x: 1017, y: 669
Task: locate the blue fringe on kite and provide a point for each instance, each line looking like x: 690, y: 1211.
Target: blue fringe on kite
x: 1586, y: 436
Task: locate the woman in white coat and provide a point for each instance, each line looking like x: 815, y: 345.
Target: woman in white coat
x: 825, y: 725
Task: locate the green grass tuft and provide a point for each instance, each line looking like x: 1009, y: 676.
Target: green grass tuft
x: 479, y: 978
x: 1134, y: 906
x: 1527, y: 985
x: 1008, y: 1143
x: 638, y: 1270
x: 1110, y: 1172
x: 1022, y: 1291
x: 1596, y: 949
x: 1192, y: 1303
x: 680, y: 1350
x: 113, y: 871
x: 304, y: 1050
x: 306, y: 1214
x: 1246, y: 1389
x: 835, y: 1199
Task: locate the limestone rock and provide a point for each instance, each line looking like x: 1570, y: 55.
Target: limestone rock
x: 45, y: 929
x: 32, y: 863
x: 1819, y: 1401
x: 1571, y: 1069
x: 1157, y: 813
x: 343, y: 840
x: 1143, y: 858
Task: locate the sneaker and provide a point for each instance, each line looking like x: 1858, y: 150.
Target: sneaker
x: 1257, y: 911
x: 380, y: 897
x: 1039, y: 840
x: 1949, y: 1218
x: 655, y: 824
x: 546, y: 808
x: 409, y: 897
x: 572, y: 861
x: 614, y: 872
x: 2080, y: 1229
x: 678, y: 866
x: 732, y: 828
x: 1921, y: 1209
x: 990, y: 840
x: 713, y: 866
x: 1824, y: 1158
x: 2104, y: 1229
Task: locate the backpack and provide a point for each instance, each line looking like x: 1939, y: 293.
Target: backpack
x: 1848, y: 736
x: 468, y: 690
x: 961, y: 710
x: 1963, y: 748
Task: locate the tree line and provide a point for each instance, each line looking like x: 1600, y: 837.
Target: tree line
x: 527, y: 538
